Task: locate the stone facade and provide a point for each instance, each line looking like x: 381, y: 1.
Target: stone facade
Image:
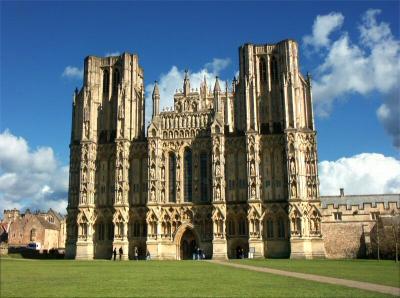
x: 46, y: 228
x: 226, y: 171
x: 349, y: 224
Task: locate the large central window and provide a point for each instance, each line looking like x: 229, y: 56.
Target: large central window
x: 172, y: 177
x: 188, y: 175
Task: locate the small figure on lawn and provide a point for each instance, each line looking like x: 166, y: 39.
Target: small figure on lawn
x: 115, y: 253
x: 120, y: 253
x: 136, y: 253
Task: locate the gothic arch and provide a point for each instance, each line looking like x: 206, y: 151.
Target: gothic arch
x: 180, y: 233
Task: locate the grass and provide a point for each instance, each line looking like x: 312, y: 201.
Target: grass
x: 65, y: 278
x: 382, y: 272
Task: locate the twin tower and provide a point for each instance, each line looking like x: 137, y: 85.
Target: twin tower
x: 231, y: 171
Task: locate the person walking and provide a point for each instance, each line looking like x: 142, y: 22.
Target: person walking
x: 147, y: 255
x: 120, y: 253
x: 115, y: 253
x: 136, y: 253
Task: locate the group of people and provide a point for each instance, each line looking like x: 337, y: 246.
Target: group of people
x: 135, y: 254
x: 199, y: 254
x: 121, y: 251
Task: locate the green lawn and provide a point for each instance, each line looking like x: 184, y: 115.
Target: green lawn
x: 64, y: 278
x: 380, y: 272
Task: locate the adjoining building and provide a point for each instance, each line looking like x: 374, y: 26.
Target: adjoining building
x: 353, y: 225
x: 45, y: 229
x: 228, y: 171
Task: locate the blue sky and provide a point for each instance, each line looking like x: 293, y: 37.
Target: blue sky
x: 40, y: 39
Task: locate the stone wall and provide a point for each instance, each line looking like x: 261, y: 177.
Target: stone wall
x: 344, y: 239
x: 348, y: 229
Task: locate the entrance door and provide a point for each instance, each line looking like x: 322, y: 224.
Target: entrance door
x: 188, y: 245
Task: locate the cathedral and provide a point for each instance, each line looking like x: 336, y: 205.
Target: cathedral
x: 231, y: 171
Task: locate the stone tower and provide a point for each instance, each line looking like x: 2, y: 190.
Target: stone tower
x: 107, y: 115
x: 275, y: 112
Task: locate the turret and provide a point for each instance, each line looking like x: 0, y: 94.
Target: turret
x: 156, y: 100
x: 234, y: 82
x: 217, y: 96
x: 186, y: 84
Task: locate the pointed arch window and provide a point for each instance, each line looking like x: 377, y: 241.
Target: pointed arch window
x: 242, y: 226
x: 203, y: 177
x: 106, y: 81
x: 100, y: 231
x: 270, y: 228
x: 263, y: 70
x: 281, y: 228
x: 188, y: 175
x: 172, y: 177
x: 274, y: 69
x: 116, y: 80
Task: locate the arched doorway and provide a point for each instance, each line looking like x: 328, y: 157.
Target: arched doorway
x: 188, y: 245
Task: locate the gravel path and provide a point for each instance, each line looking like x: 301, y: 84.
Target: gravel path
x: 319, y: 278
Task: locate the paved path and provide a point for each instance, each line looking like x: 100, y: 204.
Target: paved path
x: 318, y: 278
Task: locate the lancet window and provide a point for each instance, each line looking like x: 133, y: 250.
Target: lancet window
x: 172, y: 177
x: 270, y: 228
x: 100, y: 231
x: 106, y: 81
x: 263, y: 70
x: 203, y: 177
x: 116, y: 80
x: 188, y: 175
x: 274, y: 69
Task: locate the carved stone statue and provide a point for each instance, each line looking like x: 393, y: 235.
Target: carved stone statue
x: 86, y: 129
x: 292, y: 166
x: 217, y: 170
x: 120, y: 174
x: 252, y: 168
x: 293, y: 191
x: 218, y: 193
x: 162, y: 196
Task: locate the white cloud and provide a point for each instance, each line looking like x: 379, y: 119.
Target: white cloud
x: 217, y: 65
x: 372, y: 65
x: 323, y: 26
x: 73, y: 72
x: 109, y: 54
x: 366, y: 173
x: 168, y: 83
x: 389, y: 115
x: 30, y: 178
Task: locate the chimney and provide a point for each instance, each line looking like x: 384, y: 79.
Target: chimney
x: 342, y: 192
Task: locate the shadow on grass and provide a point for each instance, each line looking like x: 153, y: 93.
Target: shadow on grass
x: 23, y: 252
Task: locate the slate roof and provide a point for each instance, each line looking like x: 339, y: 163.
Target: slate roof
x: 360, y: 200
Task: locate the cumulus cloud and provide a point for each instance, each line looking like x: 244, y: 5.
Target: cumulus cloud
x: 73, y: 72
x: 173, y: 80
x: 29, y: 178
x: 323, y: 26
x: 366, y: 173
x: 109, y: 54
x: 371, y: 65
x: 389, y: 115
